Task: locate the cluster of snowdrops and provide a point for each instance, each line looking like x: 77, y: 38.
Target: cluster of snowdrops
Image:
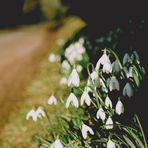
x: 100, y: 98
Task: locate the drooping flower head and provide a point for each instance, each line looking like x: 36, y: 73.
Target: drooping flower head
x: 72, y: 99
x: 85, y: 98
x: 119, y: 108
x: 57, y: 144
x: 74, y: 79
x: 52, y: 100
x: 85, y: 130
x: 105, y: 62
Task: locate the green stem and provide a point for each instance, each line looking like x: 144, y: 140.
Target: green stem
x: 142, y: 132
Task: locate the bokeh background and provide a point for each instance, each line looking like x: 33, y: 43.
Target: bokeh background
x: 30, y: 29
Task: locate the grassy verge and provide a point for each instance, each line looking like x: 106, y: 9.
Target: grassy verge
x: 17, y: 132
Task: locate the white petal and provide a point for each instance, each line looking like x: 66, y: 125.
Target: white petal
x: 74, y: 79
x: 57, y: 144
x: 52, y: 100
x: 109, y: 123
x: 101, y: 114
x: 85, y: 98
x: 40, y: 112
x: 111, y: 144
x: 72, y: 99
x: 52, y: 58
x: 65, y: 65
x: 30, y: 114
x: 119, y: 108
x: 85, y: 129
x: 79, y: 68
x: 107, y: 67
x: 105, y: 61
x: 108, y: 102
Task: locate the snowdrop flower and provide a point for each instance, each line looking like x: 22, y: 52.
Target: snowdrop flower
x: 102, y: 85
x: 119, y: 108
x: 74, y: 52
x: 65, y: 65
x: 57, y: 144
x: 79, y: 68
x: 109, y: 123
x: 105, y: 61
x: 52, y: 100
x: 74, y: 79
x: 85, y: 130
x: 85, y: 98
x: 127, y: 90
x: 81, y: 41
x: 63, y: 81
x: 108, y: 102
x: 94, y: 75
x: 101, y: 114
x: 72, y: 99
x: 52, y: 58
x: 115, y: 66
x: 128, y: 72
x: 126, y: 58
x: 111, y: 144
x: 31, y: 114
x: 114, y: 84
x: 39, y: 113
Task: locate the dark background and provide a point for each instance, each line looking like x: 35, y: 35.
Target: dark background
x: 101, y: 16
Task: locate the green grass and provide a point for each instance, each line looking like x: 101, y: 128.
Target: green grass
x: 18, y: 132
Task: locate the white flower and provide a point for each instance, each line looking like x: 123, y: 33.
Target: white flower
x: 52, y: 100
x: 85, y: 129
x: 127, y: 90
x: 111, y: 144
x: 74, y: 52
x: 39, y: 113
x: 57, y: 144
x: 74, y: 79
x: 129, y: 73
x: 108, y: 102
x: 79, y: 68
x: 109, y: 123
x: 114, y: 84
x: 52, y: 58
x: 115, y: 66
x: 126, y: 58
x: 85, y: 98
x: 101, y: 114
x: 81, y: 41
x: 72, y: 99
x: 105, y: 61
x: 63, y: 81
x: 119, y: 108
x: 65, y: 65
x: 95, y: 78
x: 102, y: 85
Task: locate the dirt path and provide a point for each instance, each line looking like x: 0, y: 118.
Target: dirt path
x: 20, y: 52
